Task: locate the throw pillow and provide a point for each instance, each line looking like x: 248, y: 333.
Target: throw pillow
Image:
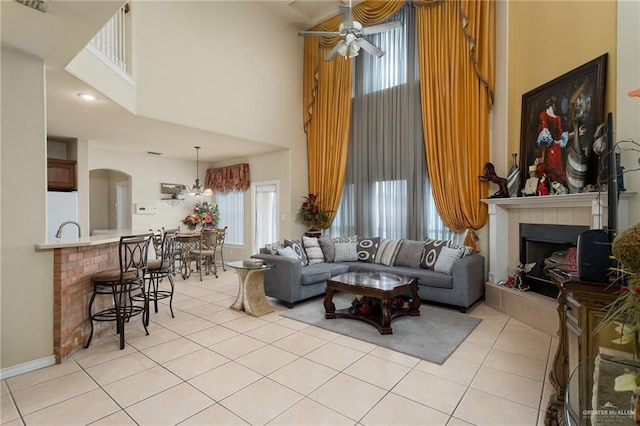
x: 296, y: 245
x: 366, y: 248
x: 328, y: 250
x: 467, y: 250
x: 446, y: 258
x: 345, y: 252
x: 432, y: 249
x: 287, y: 252
x: 387, y: 252
x: 313, y: 250
x: 410, y: 254
x: 273, y: 247
x: 351, y: 239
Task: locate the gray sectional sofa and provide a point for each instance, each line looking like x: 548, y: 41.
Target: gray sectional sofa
x: 290, y: 282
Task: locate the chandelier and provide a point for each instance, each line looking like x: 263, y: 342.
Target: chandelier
x: 195, y: 189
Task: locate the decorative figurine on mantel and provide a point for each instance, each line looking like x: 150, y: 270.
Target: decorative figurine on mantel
x: 490, y: 176
x: 531, y: 185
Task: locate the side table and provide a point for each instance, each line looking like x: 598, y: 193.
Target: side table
x: 251, y: 297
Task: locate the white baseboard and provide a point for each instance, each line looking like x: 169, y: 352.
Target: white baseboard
x: 25, y: 367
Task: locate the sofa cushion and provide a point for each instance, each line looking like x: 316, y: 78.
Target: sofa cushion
x: 312, y: 274
x: 387, y: 251
x: 446, y: 259
x: 366, y: 248
x: 313, y: 250
x: 328, y: 250
x: 296, y: 245
x: 272, y: 248
x: 426, y: 277
x: 345, y: 252
x: 287, y: 252
x: 410, y: 253
x: 466, y: 249
x: 351, y: 239
x: 432, y: 249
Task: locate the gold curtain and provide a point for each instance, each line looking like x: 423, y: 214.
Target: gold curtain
x: 230, y: 178
x: 456, y: 48
x: 327, y: 105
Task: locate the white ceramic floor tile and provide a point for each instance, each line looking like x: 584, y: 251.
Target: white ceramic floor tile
x: 170, y: 406
x: 261, y: 401
x: 224, y: 316
x: 303, y: 376
x: 299, y: 343
x: 267, y: 359
x: 52, y: 392
x: 432, y: 391
x: 119, y: 418
x: 509, y: 386
x: 8, y: 410
x: 270, y: 333
x: 190, y: 326
x: 119, y: 368
x: 356, y: 344
x: 320, y: 333
x: 237, y: 346
x: 481, y: 408
x: 377, y: 371
x: 102, y: 351
x: 3, y: 387
x: 296, y: 325
x: 171, y: 350
x: 396, y: 410
x: 309, y: 413
x: 453, y: 369
x: 517, y: 364
x: 212, y: 335
x: 523, y: 346
x: 216, y: 415
x: 40, y: 375
x: 471, y: 352
x: 80, y: 410
x: 335, y: 356
x: 158, y: 336
x: 195, y: 363
x: 225, y: 380
x: 348, y: 396
x: 393, y: 356
x: 142, y: 385
x: 245, y: 324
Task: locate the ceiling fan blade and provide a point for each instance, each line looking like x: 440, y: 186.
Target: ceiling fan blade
x: 333, y: 53
x: 370, y: 48
x: 347, y: 16
x: 318, y: 33
x: 382, y: 27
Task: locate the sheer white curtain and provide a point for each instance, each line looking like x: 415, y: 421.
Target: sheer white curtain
x: 387, y: 191
x: 231, y: 207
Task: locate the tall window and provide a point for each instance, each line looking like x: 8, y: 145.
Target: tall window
x: 231, y: 206
x: 387, y: 191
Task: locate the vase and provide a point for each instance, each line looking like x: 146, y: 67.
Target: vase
x: 513, y: 179
x: 313, y: 231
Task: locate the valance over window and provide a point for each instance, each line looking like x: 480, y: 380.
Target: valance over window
x: 227, y: 179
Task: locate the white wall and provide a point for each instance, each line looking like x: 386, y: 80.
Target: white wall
x: 26, y: 280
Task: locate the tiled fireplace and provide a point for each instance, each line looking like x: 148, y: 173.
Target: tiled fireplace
x: 505, y: 218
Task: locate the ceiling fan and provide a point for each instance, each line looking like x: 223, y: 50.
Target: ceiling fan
x: 351, y: 32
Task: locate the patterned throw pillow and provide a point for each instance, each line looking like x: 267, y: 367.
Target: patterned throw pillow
x: 345, y: 252
x: 366, y: 248
x: 467, y: 250
x: 328, y: 250
x: 287, y: 252
x: 410, y: 254
x: 296, y: 245
x: 446, y: 259
x: 432, y: 249
x: 351, y: 239
x: 387, y: 251
x: 273, y: 247
x: 313, y: 250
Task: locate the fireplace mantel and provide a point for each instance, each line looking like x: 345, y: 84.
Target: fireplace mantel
x: 505, y: 215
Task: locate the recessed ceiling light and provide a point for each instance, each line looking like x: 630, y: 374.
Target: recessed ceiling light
x: 88, y: 97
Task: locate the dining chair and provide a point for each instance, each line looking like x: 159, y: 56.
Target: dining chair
x: 122, y: 284
x: 205, y: 253
x: 222, y: 234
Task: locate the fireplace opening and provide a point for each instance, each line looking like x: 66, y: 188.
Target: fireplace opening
x: 537, y: 243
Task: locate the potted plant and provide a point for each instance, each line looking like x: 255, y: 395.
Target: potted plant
x: 312, y: 214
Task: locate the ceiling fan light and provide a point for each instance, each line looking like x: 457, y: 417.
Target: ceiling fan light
x: 354, y: 48
x: 343, y: 48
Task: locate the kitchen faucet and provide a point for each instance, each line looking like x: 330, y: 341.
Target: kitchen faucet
x: 59, y: 233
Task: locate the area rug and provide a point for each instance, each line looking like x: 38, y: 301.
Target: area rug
x: 433, y: 336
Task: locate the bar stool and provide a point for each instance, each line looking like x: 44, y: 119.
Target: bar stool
x: 159, y: 269
x: 122, y: 284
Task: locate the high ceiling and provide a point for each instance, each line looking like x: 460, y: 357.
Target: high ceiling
x: 67, y: 26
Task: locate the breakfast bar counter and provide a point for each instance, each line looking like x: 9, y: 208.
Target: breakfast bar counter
x: 75, y: 260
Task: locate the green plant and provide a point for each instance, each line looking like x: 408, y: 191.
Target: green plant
x: 311, y: 212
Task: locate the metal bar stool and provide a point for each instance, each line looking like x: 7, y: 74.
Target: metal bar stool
x: 122, y: 284
x: 157, y: 270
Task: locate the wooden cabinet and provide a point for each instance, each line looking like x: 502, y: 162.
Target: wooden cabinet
x: 61, y: 175
x: 581, y: 308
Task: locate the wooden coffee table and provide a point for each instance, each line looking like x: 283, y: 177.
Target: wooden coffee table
x: 378, y: 285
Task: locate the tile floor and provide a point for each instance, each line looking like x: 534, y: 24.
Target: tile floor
x: 211, y: 365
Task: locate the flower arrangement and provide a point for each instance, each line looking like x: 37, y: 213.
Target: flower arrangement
x: 365, y: 305
x: 515, y: 277
x: 206, y: 215
x: 311, y: 212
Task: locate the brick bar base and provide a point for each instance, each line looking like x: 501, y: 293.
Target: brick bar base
x: 73, y: 268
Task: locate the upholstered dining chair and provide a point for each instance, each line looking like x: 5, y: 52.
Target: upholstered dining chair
x: 205, y: 253
x: 122, y: 284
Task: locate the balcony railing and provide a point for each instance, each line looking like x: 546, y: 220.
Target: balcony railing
x: 110, y: 44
